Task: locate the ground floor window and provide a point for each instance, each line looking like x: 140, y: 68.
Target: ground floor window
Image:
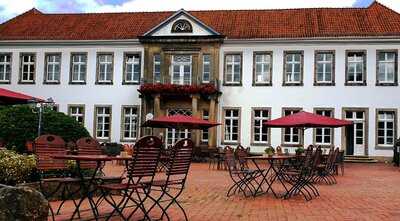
x: 386, y: 127
x: 260, y: 133
x: 291, y: 136
x: 231, y: 125
x: 129, y: 122
x: 173, y: 135
x: 323, y: 136
x: 204, y: 133
x: 77, y: 112
x: 103, y: 122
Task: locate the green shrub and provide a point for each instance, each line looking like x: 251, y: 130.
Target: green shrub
x: 15, y: 168
x: 18, y: 124
x: 111, y: 149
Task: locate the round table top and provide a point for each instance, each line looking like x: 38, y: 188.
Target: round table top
x: 89, y: 157
x: 273, y: 157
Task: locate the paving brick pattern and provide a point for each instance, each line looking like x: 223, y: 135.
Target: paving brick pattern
x: 365, y: 192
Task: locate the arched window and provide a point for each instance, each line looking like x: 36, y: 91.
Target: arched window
x: 182, y: 26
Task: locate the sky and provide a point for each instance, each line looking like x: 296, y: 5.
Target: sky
x: 12, y: 8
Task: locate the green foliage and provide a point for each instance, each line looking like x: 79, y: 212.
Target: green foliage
x: 269, y: 150
x: 300, y: 150
x: 112, y: 149
x: 15, y: 168
x: 19, y: 123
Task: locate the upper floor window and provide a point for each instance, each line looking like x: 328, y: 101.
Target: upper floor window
x: 386, y: 127
x: 323, y: 136
x: 206, y: 68
x: 262, y: 68
x: 233, y: 69
x: 386, y: 68
x: 293, y: 69
x: 28, y: 68
x: 78, y: 68
x: 181, y: 69
x: 356, y: 68
x: 324, y: 68
x: 157, y: 68
x: 5, y: 68
x: 260, y: 133
x: 182, y: 26
x: 132, y: 68
x: 104, y: 68
x: 52, y: 68
x: 129, y: 123
x: 231, y: 125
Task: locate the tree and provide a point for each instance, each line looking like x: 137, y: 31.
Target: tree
x: 18, y: 124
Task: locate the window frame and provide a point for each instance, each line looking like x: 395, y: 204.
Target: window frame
x: 205, y: 141
x: 124, y: 68
x: 364, y: 74
x: 332, y: 135
x: 318, y: 83
x: 284, y: 81
x: 21, y: 55
x: 270, y: 53
x: 396, y: 64
x: 395, y: 125
x: 71, y: 67
x: 95, y: 123
x: 5, y: 64
x: 46, y: 55
x: 181, y: 68
x: 301, y: 135
x: 154, y: 67
x: 258, y: 143
x: 225, y: 82
x: 223, y: 141
x: 101, y: 82
x: 78, y: 106
x: 210, y: 63
x: 123, y: 138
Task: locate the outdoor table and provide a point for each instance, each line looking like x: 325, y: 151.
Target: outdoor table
x: 270, y: 175
x: 89, y: 186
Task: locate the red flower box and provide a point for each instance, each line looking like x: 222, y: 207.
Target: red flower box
x: 203, y: 89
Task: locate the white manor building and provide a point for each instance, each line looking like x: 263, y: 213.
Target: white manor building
x: 240, y: 68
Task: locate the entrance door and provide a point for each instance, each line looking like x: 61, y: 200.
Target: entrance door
x: 173, y: 135
x: 356, y: 134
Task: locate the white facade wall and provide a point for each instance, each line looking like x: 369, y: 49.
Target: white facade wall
x: 245, y: 96
x: 307, y: 96
x: 89, y: 94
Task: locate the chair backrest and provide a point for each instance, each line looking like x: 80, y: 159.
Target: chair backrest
x: 45, y: 147
x: 331, y: 161
x: 317, y: 157
x: 180, y: 159
x: 340, y: 156
x: 88, y: 146
x: 308, y: 157
x: 230, y: 161
x: 241, y: 155
x: 145, y: 158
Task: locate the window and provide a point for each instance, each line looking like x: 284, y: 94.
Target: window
x: 231, y: 125
x: 173, y: 135
x: 5, y: 68
x: 356, y: 68
x: 78, y: 68
x: 262, y: 68
x: 28, y: 68
x: 233, y: 69
x: 260, y: 133
x: 323, y: 136
x: 386, y: 128
x: 182, y: 26
x: 132, y: 69
x: 204, y: 133
x: 157, y: 68
x: 77, y: 112
x: 324, y: 68
x: 52, y: 68
x: 181, y: 69
x: 386, y: 68
x: 130, y: 123
x: 291, y: 136
x: 104, y: 68
x: 103, y: 122
x: 206, y: 68
x: 293, y: 69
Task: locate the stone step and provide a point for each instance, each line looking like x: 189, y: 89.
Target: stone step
x: 359, y: 159
x: 354, y: 156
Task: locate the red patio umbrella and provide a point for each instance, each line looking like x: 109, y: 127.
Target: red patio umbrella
x: 304, y: 119
x: 9, y: 97
x: 179, y: 121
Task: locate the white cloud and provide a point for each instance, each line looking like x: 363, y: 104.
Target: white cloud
x: 393, y: 4
x: 10, y: 8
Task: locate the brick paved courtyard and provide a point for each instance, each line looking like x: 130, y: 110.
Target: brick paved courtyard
x: 366, y: 192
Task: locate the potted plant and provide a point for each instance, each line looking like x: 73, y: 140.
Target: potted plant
x: 300, y: 151
x: 269, y: 151
x: 112, y: 149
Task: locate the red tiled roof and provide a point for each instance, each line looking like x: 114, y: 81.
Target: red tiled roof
x: 376, y: 20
